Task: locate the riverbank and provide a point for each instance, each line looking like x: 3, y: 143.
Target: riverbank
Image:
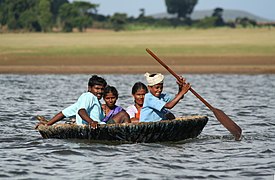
x: 249, y: 51
x: 139, y: 64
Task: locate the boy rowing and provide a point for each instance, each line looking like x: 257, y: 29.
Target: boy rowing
x: 156, y: 103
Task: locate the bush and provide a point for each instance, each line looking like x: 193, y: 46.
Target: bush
x: 207, y: 22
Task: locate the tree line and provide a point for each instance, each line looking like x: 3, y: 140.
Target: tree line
x: 62, y: 15
x: 44, y: 15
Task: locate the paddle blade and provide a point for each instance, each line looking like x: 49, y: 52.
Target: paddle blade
x: 228, y: 123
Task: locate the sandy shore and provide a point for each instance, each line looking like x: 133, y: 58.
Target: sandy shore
x: 140, y: 64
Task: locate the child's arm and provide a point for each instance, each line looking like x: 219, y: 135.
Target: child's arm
x: 84, y: 115
x: 67, y: 112
x: 184, y: 90
x: 59, y: 116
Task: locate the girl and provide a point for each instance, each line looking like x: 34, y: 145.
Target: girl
x: 138, y: 92
x: 113, y: 113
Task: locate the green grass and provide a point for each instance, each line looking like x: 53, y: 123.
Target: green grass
x: 176, y: 42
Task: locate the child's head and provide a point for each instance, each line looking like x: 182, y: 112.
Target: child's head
x: 96, y: 80
x: 137, y: 86
x: 138, y: 91
x: 155, y: 83
x: 96, y: 86
x: 110, y: 96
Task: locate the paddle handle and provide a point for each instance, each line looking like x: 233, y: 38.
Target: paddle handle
x: 178, y: 78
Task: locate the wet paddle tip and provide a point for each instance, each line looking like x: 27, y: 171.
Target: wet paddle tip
x: 228, y: 123
x: 238, y: 137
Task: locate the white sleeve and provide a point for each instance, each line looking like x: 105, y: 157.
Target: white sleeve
x: 131, y: 110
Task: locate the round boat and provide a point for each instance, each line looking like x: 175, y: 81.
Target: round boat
x: 165, y: 130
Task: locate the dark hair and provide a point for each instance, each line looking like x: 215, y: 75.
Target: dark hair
x: 110, y: 89
x: 137, y: 86
x: 96, y: 80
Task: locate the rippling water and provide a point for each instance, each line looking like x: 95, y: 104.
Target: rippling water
x: 248, y: 99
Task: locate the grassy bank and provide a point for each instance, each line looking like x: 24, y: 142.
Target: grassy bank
x: 194, y: 50
x: 178, y: 42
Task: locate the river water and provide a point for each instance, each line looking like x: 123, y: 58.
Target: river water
x: 248, y: 99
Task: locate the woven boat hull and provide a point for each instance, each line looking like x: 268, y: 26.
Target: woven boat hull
x: 172, y: 130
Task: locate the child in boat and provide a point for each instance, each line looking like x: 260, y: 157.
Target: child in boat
x: 87, y: 109
x: 113, y: 113
x: 156, y: 103
x: 138, y: 92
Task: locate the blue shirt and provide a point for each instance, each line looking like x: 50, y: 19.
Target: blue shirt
x: 153, y: 107
x: 90, y: 103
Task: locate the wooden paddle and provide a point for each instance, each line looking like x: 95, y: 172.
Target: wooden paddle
x: 228, y: 123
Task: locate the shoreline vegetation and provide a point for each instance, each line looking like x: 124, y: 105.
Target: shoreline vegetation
x: 221, y: 50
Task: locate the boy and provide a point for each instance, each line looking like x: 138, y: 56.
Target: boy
x: 156, y: 103
x: 87, y: 109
